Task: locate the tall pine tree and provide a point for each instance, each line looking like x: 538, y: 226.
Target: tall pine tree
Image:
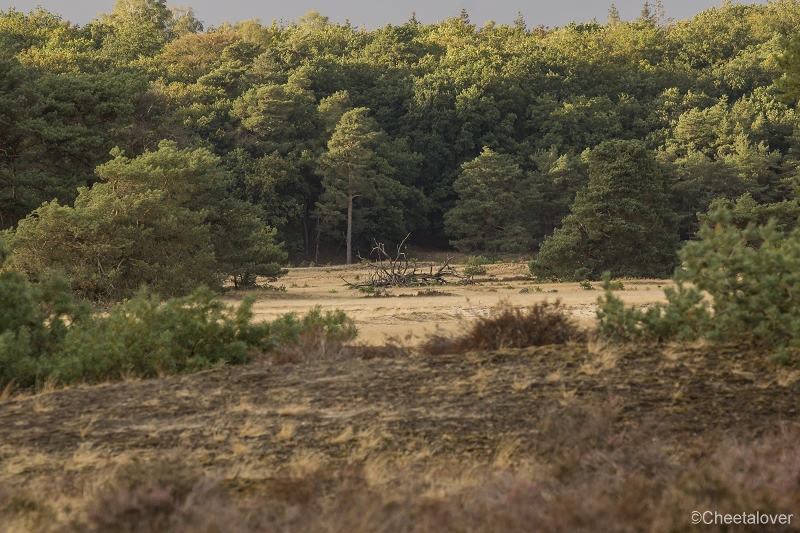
x: 349, y: 169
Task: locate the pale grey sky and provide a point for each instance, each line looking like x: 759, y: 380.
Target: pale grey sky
x: 374, y: 14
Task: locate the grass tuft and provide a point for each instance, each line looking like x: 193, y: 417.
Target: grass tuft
x: 538, y: 325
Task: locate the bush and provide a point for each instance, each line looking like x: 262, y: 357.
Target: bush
x: 34, y: 321
x: 538, y: 325
x: 146, y: 338
x: 750, y: 279
x: 142, y: 337
x: 474, y: 265
x: 315, y: 337
x: 46, y: 336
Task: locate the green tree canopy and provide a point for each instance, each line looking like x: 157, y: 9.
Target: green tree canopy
x: 154, y: 220
x: 789, y: 62
x: 267, y: 98
x: 493, y: 210
x: 621, y: 222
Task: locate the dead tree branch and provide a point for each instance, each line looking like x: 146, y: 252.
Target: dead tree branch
x: 400, y: 271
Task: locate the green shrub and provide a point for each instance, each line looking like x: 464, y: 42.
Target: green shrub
x: 315, y: 337
x: 684, y: 317
x: 46, y: 336
x: 616, y: 285
x: 475, y: 265
x: 335, y: 325
x: 34, y: 321
x: 144, y: 337
x: 744, y: 288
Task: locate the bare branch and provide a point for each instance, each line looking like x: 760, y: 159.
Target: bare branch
x: 400, y: 271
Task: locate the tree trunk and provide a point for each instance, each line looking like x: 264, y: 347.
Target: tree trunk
x: 305, y: 234
x: 316, y: 253
x: 350, y: 230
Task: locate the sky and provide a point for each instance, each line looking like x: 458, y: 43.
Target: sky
x: 373, y: 14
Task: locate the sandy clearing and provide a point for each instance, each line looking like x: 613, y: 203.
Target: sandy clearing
x: 407, y: 316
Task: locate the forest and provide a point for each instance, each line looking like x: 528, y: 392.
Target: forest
x: 145, y: 148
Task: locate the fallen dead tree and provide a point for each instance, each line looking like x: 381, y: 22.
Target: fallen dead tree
x: 400, y: 271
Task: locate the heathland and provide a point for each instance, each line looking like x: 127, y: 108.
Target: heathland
x: 606, y: 339
x: 417, y: 432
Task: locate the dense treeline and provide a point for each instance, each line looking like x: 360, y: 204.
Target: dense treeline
x: 141, y: 148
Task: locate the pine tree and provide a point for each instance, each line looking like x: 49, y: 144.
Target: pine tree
x: 493, y: 211
x: 621, y: 222
x: 789, y: 63
x: 519, y: 22
x: 660, y: 14
x: 613, y: 15
x: 349, y: 170
x: 647, y: 15
x: 154, y: 220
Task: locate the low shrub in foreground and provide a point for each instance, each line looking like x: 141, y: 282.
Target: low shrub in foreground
x: 735, y: 286
x: 46, y: 336
x: 142, y: 337
x: 145, y: 337
x: 34, y: 321
x: 537, y: 325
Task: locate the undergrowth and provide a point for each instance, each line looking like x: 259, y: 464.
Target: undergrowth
x: 735, y: 285
x: 475, y: 265
x: 47, y: 337
x: 508, y: 327
x: 314, y: 337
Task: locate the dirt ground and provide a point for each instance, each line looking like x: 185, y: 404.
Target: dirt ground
x: 404, y: 315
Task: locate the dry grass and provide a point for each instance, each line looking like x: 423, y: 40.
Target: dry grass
x: 585, y: 475
x: 486, y: 437
x: 7, y: 391
x: 315, y: 346
x: 510, y: 327
x: 287, y: 431
x: 251, y: 429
